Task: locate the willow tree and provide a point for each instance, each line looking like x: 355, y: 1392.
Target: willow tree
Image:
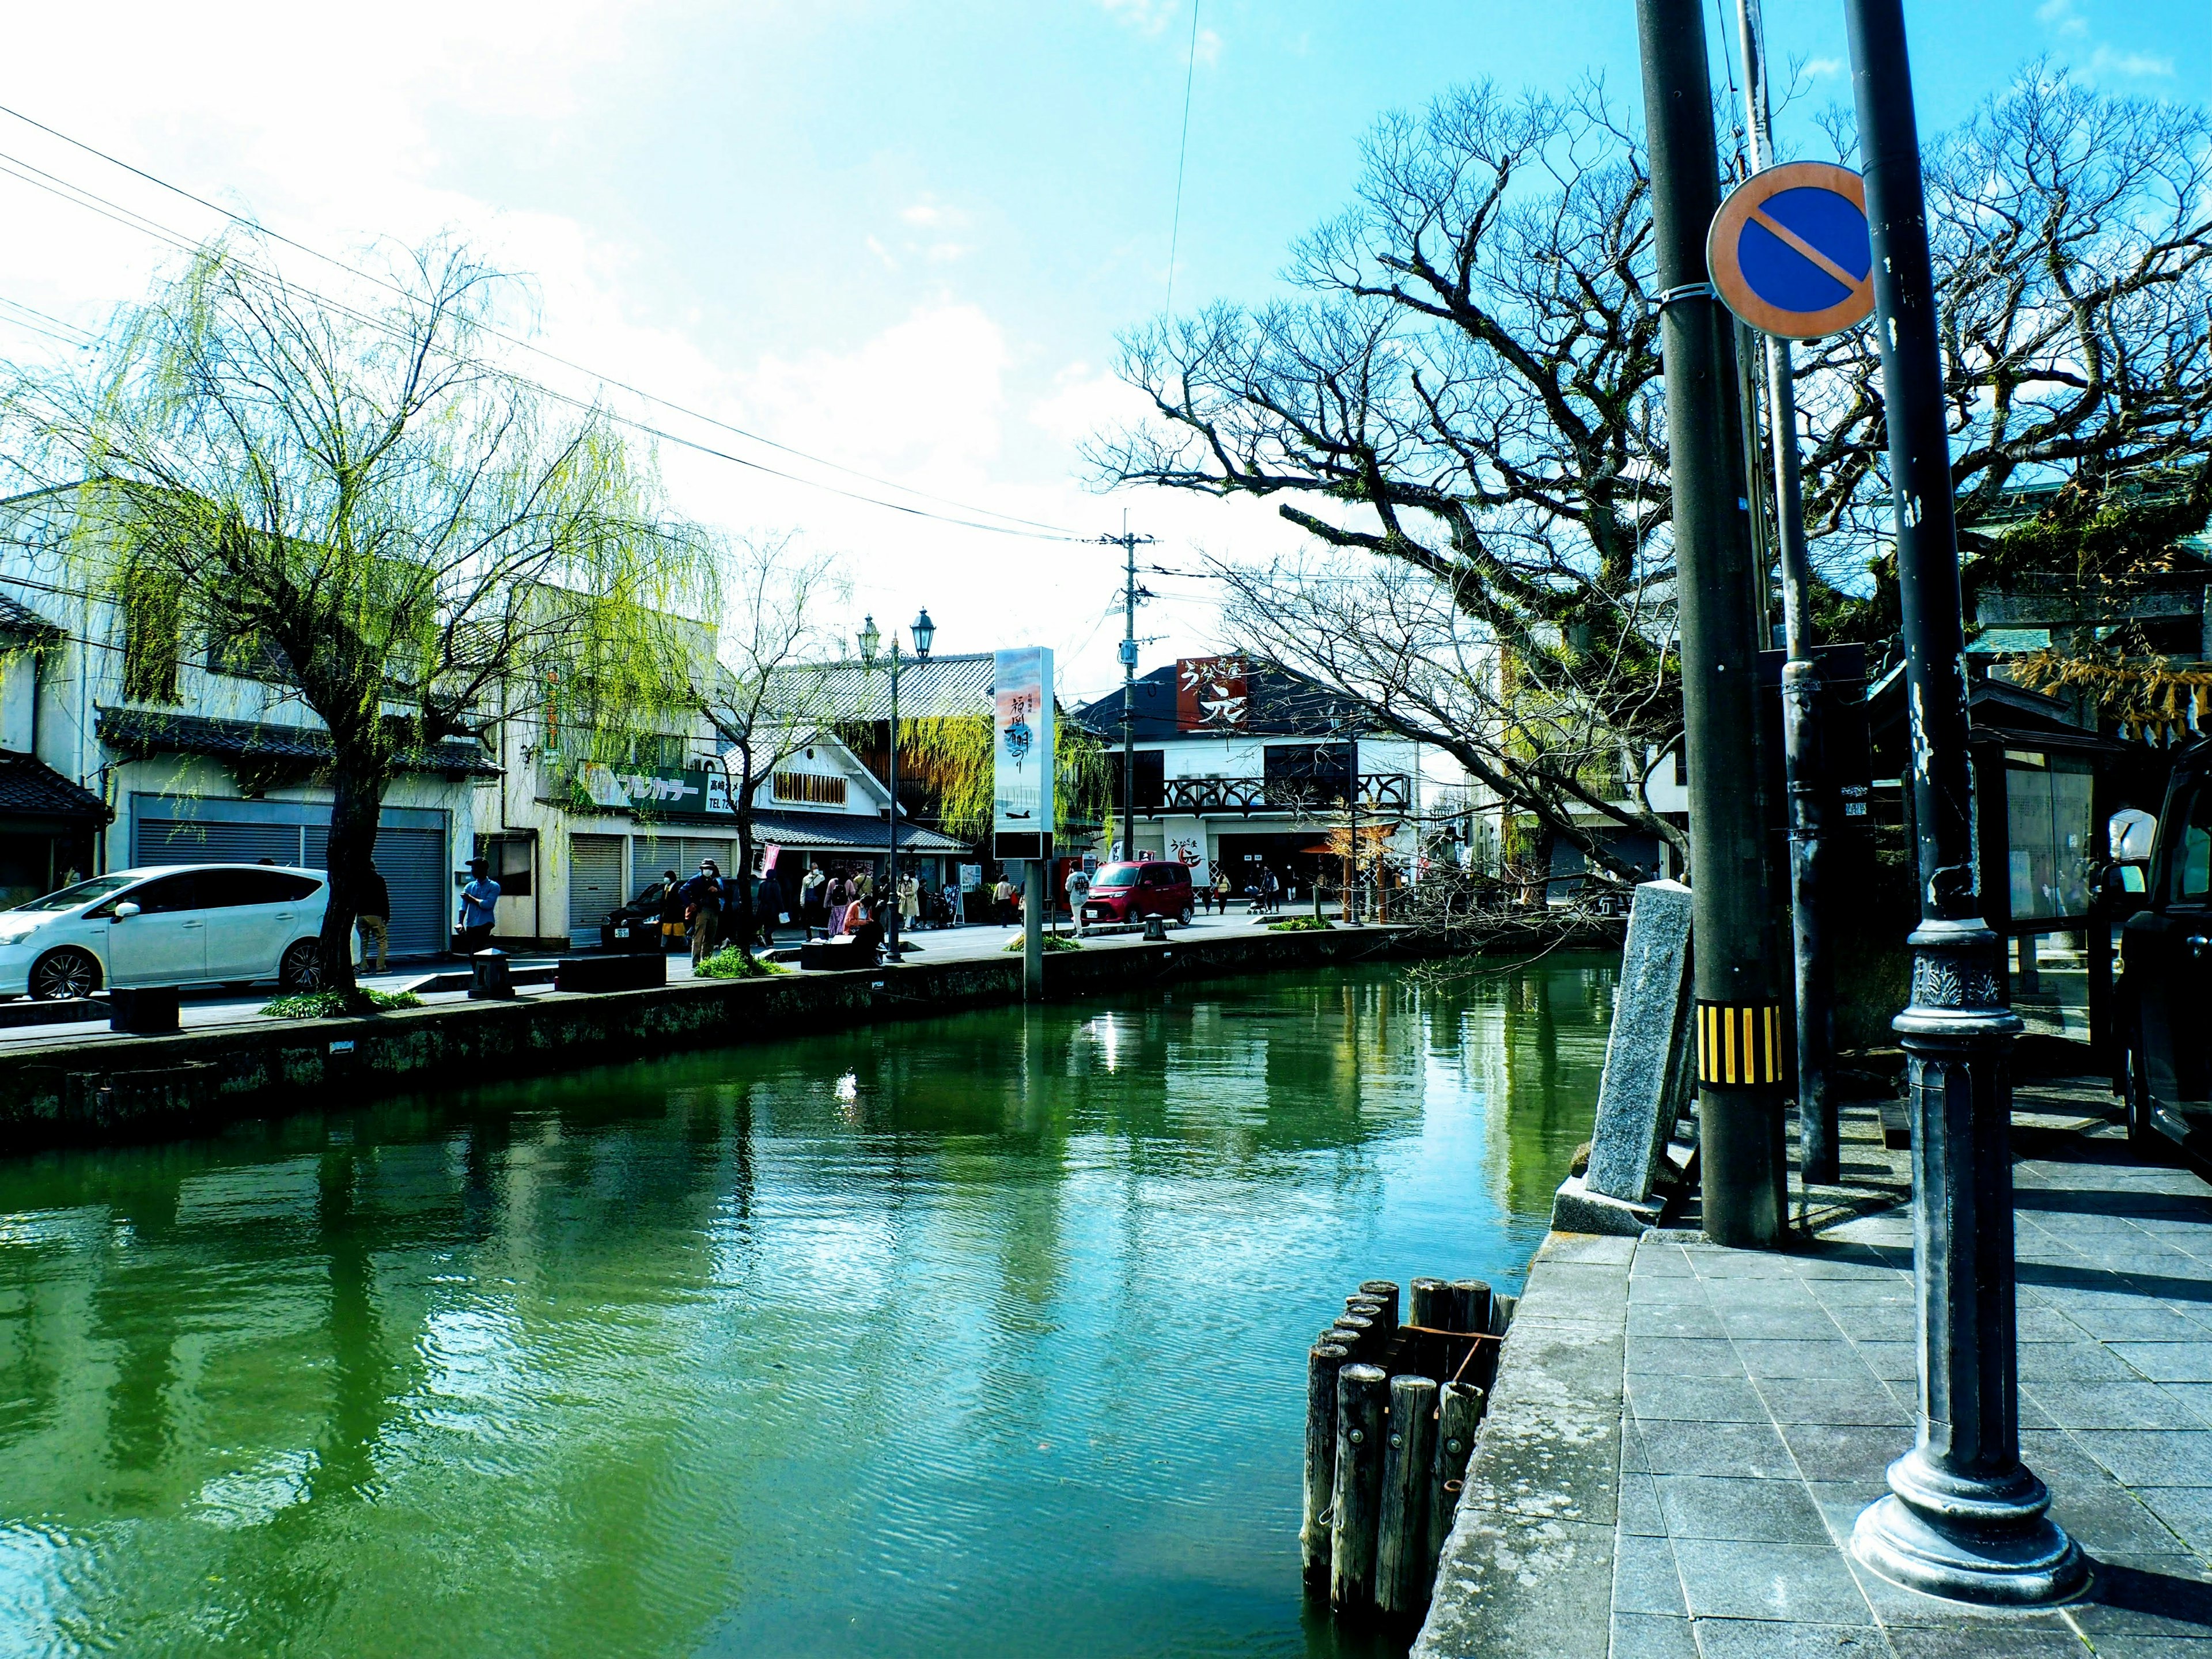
x: 356, y: 501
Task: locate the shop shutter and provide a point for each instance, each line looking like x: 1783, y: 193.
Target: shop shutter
x: 651, y: 854
x: 413, y: 865
x: 594, y: 884
x: 210, y: 840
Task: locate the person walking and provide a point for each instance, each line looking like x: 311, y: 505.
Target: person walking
x: 1078, y: 894
x: 768, y: 907
x: 671, y: 907
x: 864, y: 885
x: 372, y: 914
x: 1221, y: 890
x: 477, y: 915
x: 1271, y: 889
x: 909, y: 903
x: 1002, y: 898
x: 702, y: 909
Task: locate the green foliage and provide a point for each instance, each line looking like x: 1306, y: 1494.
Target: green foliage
x: 731, y: 962
x: 1052, y: 942
x: 332, y: 1004
x: 1299, y: 925
x: 951, y: 756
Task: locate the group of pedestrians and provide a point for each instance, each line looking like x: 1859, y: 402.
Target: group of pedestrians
x: 835, y: 904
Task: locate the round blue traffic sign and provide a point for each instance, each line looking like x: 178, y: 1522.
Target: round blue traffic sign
x: 1789, y: 253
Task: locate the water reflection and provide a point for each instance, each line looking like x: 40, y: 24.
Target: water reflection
x: 974, y: 1336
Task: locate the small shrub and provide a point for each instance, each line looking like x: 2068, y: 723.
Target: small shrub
x: 1299, y: 925
x: 1052, y: 942
x: 730, y: 963
x: 332, y: 1004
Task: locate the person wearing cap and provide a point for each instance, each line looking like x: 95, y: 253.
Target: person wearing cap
x: 702, y: 909
x: 478, y: 898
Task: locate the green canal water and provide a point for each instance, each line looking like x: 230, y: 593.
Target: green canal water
x: 983, y: 1335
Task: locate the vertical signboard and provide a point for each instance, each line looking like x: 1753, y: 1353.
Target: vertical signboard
x: 1021, y: 788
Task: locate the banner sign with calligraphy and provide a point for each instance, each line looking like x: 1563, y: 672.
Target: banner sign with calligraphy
x: 1212, y: 694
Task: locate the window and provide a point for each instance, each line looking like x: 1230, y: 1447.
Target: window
x: 1151, y: 778
x: 221, y: 890
x: 83, y: 893
x: 811, y: 787
x: 1308, y: 774
x: 512, y: 859
x: 169, y: 894
x: 152, y: 630
x: 2192, y: 856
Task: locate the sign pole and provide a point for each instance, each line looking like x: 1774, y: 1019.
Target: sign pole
x: 1802, y: 758
x: 1033, y: 934
x: 1738, y: 1015
x: 1965, y: 1518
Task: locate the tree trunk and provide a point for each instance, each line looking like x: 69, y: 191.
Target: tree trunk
x: 742, y: 806
x: 356, y: 804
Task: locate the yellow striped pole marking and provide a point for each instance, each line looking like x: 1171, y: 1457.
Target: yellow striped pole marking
x: 1740, y: 1043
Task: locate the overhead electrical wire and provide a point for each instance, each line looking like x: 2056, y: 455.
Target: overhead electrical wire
x: 1182, y: 153
x: 92, y: 202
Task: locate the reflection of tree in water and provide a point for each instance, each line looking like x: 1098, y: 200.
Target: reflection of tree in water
x: 1550, y: 1023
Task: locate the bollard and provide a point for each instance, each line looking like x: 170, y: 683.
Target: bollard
x: 1470, y: 1304
x: 1324, y: 1361
x: 1409, y: 1458
x: 494, y: 983
x: 1386, y: 1291
x: 1358, y: 1333
x: 1427, y: 1303
x: 1458, y: 1416
x: 1371, y: 1306
x: 1356, y: 1493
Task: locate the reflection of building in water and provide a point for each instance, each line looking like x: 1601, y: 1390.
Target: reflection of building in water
x: 1540, y: 1041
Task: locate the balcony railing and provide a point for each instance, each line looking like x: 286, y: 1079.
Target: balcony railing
x: 1379, y: 791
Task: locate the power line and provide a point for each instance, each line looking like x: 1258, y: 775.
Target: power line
x: 1182, y: 151
x: 138, y: 221
x: 76, y: 195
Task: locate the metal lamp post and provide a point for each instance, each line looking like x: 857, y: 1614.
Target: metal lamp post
x: 925, y: 631
x: 1966, y: 1518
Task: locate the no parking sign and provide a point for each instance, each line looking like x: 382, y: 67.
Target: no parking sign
x: 1789, y: 254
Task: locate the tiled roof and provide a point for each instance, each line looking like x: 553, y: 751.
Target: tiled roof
x: 140, y: 732
x: 835, y: 692
x: 1282, y: 704
x: 29, y: 789
x: 19, y: 620
x: 846, y: 832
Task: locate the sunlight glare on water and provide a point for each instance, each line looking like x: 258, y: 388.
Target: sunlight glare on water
x: 973, y: 1336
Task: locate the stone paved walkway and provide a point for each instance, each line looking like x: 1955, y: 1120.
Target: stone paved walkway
x: 1760, y: 1397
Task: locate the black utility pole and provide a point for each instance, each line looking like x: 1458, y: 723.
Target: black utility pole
x: 1966, y: 1518
x: 1739, y: 1016
x: 1803, y: 758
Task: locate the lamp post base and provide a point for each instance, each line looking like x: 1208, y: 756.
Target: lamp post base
x: 1995, y: 1546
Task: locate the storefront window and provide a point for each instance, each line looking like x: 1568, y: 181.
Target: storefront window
x: 2048, y: 805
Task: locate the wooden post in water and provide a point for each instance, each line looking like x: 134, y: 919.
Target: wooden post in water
x: 1361, y: 1392
x: 1324, y: 1361
x: 1401, y: 1570
x: 1471, y: 1303
x: 1428, y: 1303
x: 1458, y: 1416
x: 1387, y: 1290
x: 1374, y: 1308
x: 1359, y: 1334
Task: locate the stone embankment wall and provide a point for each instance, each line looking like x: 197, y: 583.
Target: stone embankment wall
x: 61, y: 1091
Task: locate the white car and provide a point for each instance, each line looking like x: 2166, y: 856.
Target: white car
x: 174, y: 925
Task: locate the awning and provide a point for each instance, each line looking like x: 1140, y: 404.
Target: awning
x: 138, y: 732
x: 842, y: 832
x: 29, y: 789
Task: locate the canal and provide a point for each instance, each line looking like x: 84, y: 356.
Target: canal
x: 974, y: 1336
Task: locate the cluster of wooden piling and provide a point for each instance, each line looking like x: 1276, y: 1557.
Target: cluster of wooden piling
x: 1391, y: 1413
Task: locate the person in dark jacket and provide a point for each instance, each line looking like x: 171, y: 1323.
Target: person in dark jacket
x: 373, y: 916
x: 869, y: 930
x: 702, y: 909
x: 672, y: 907
x: 768, y: 906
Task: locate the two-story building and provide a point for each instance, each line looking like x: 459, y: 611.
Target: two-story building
x: 1241, y: 766
x: 120, y: 749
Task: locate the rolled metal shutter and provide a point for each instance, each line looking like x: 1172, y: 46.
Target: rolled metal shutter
x: 594, y: 884
x: 413, y: 865
x: 211, y: 840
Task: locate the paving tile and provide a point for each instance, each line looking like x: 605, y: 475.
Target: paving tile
x: 1842, y: 1502
x: 2061, y: 1458
x: 1831, y: 1451
x: 2145, y: 1322
x: 2046, y: 1638
x: 2145, y: 1595
x: 2094, y: 1362
x: 1828, y: 1400
x: 1863, y: 1293
x: 1647, y: 1636
x: 1733, y: 1507
x: 1666, y: 1289
x: 1763, y: 1638
x: 1731, y: 1579
x: 1692, y: 1399
x: 2195, y: 1396
x: 2169, y: 1362
x: 1644, y: 1576
x: 1510, y: 1585
x: 1893, y: 1362
x: 2152, y: 1457
x: 1683, y: 1356
x: 1659, y: 1261
x: 2153, y: 1647
x: 2036, y: 1322
x: 2115, y: 1406
x: 2107, y: 1522
x: 1853, y: 1264
x: 2187, y: 1511
x: 1673, y: 1319
x: 1790, y: 1356
x: 1711, y: 1261
x: 1638, y: 1508
x: 1752, y: 1449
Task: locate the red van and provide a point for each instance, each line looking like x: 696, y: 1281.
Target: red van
x: 1130, y: 892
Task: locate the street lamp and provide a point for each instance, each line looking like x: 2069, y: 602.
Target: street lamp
x: 925, y: 631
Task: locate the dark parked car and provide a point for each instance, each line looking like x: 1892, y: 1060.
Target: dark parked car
x: 637, y: 925
x: 2164, y: 1002
x: 1130, y: 892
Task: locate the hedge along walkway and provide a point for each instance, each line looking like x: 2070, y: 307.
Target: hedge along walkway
x: 1682, y: 1437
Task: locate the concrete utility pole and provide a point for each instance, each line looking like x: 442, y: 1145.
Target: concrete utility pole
x: 1803, y: 759
x: 1128, y: 545
x: 1033, y: 931
x: 1966, y: 1518
x: 1739, y: 1118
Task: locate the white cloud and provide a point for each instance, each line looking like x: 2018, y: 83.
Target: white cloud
x: 2064, y: 17
x: 1150, y: 16
x: 2106, y: 60
x: 1822, y: 68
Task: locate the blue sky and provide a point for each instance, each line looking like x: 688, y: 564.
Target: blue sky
x: 901, y: 236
